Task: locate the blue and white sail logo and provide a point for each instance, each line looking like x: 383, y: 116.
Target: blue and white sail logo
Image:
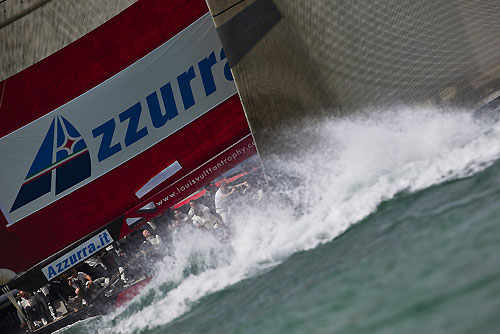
x: 115, y: 121
x: 62, y: 162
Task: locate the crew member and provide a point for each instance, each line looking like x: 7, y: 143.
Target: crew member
x: 82, y: 283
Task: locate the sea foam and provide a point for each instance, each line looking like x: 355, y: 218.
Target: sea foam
x: 337, y: 176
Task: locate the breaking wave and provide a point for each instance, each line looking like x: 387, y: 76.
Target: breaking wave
x: 341, y: 171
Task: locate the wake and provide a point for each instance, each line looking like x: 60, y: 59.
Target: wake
x: 354, y: 164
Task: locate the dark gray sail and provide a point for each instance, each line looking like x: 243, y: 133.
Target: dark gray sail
x: 33, y: 30
x: 337, y: 56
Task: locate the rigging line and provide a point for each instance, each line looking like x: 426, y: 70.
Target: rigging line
x: 115, y: 277
x: 228, y: 8
x: 10, y: 296
x: 23, y: 13
x: 3, y: 91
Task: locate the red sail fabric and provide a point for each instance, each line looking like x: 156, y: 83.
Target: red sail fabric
x: 92, y: 59
x: 73, y: 71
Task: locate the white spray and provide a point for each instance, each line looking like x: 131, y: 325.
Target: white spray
x: 357, y: 163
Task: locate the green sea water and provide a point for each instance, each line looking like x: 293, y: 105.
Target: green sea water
x: 427, y: 262
x: 398, y: 232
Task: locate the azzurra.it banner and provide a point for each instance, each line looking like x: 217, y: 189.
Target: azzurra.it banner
x: 77, y: 255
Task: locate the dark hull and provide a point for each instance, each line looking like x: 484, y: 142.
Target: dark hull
x: 99, y: 306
